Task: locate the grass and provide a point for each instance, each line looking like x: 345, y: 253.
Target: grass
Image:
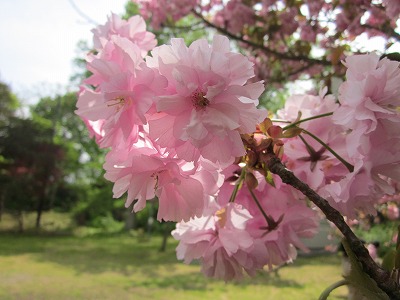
x: 124, y: 267
x: 63, y: 262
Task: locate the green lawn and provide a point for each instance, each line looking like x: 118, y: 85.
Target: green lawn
x: 125, y: 267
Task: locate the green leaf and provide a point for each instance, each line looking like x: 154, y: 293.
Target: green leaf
x: 397, y: 254
x: 397, y: 258
x: 264, y: 125
x: 388, y: 260
x: 292, y: 132
x: 361, y: 280
x: 269, y: 178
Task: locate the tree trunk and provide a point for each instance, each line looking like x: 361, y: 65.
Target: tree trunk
x: 20, y: 218
x: 130, y: 220
x: 39, y: 211
x: 166, y: 233
x: 42, y: 198
x: 2, y: 200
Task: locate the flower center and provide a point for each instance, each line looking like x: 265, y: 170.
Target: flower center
x: 155, y: 177
x: 199, y: 101
x: 119, y: 102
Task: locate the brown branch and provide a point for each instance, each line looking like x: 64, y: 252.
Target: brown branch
x: 381, y: 277
x: 262, y: 47
x: 387, y: 30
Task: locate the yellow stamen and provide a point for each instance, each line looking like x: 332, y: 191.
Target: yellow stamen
x: 221, y: 215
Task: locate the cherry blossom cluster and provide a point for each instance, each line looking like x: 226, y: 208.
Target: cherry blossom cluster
x: 276, y: 31
x: 363, y: 130
x: 183, y: 127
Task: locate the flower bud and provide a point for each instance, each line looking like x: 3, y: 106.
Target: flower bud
x: 251, y: 181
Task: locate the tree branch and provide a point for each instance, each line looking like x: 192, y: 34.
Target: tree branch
x: 390, y: 32
x: 381, y: 277
x: 262, y: 47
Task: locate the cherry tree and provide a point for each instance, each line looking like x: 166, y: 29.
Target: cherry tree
x: 182, y: 125
x: 287, y: 40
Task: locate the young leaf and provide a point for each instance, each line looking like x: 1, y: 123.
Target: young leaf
x: 360, y: 280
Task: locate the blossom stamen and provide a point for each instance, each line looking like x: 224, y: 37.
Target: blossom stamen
x: 119, y: 102
x: 221, y: 215
x: 199, y: 100
x: 155, y: 176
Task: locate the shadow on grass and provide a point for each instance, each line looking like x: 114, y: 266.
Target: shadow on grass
x: 90, y: 254
x: 316, y: 260
x: 196, y: 281
x: 130, y: 257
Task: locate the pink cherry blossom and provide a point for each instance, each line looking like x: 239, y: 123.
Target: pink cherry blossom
x: 174, y: 120
x: 392, y: 8
x: 134, y: 29
x: 220, y: 241
x: 355, y: 191
x: 235, y: 15
x: 368, y: 99
x: 307, y: 158
x: 392, y: 211
x: 124, y: 86
x: 118, y: 55
x: 208, y: 102
x: 375, y: 168
x: 232, y: 237
x: 370, y: 94
x: 287, y: 17
x: 95, y: 129
x: 161, y: 10
x: 294, y: 219
x: 144, y: 172
x: 122, y: 103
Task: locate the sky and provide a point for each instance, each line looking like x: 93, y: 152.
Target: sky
x: 39, y: 41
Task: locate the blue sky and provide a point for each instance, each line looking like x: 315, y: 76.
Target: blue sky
x: 38, y: 41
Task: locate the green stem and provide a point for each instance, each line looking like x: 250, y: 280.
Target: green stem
x: 309, y: 148
x: 280, y: 121
x: 329, y: 289
x: 237, y: 186
x: 268, y: 219
x: 349, y: 166
x: 307, y: 119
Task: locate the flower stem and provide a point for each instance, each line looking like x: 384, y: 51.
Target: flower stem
x: 329, y: 289
x: 280, y: 121
x: 309, y: 148
x: 238, y: 185
x: 307, y: 119
x: 259, y: 206
x: 271, y: 222
x: 349, y: 166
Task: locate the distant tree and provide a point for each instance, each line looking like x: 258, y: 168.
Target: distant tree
x: 29, y: 166
x: 8, y: 105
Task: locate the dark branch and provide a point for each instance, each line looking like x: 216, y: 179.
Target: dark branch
x: 262, y: 47
x: 387, y: 30
x: 382, y: 277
